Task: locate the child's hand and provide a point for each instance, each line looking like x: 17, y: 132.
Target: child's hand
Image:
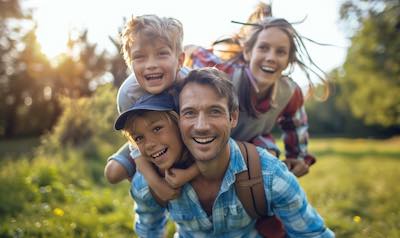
x: 272, y: 152
x: 165, y: 192
x: 176, y: 178
x: 297, y: 166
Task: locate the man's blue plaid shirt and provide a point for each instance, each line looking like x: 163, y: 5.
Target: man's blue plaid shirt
x: 285, y: 198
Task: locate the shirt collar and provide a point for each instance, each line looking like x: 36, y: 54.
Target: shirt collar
x: 236, y: 165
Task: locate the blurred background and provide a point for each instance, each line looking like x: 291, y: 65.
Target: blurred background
x: 60, y: 69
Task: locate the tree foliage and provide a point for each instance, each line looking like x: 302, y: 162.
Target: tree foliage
x: 371, y: 78
x: 30, y: 84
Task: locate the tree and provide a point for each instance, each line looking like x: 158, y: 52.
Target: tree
x: 371, y: 79
x: 81, y: 68
x: 14, y: 85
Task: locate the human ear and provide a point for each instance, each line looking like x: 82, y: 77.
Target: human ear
x: 181, y: 59
x: 246, y: 55
x: 234, y: 117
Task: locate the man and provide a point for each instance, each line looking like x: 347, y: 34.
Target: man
x: 209, y: 206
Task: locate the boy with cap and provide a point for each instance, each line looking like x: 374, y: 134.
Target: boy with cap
x: 152, y: 48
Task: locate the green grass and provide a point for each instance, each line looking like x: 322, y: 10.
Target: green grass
x: 18, y: 147
x: 353, y: 186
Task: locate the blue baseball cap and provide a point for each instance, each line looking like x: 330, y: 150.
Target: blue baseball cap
x: 151, y: 102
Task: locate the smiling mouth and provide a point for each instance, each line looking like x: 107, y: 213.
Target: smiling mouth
x: 159, y: 153
x: 154, y: 77
x: 267, y: 69
x: 204, y: 141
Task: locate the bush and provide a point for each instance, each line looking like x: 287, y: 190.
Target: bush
x: 15, y: 188
x: 85, y: 127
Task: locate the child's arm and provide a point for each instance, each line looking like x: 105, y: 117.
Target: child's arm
x: 176, y: 178
x: 155, y: 181
x: 120, y: 166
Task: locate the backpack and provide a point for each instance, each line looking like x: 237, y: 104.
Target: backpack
x: 250, y: 191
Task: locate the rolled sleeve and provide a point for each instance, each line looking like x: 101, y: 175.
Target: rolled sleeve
x: 122, y: 156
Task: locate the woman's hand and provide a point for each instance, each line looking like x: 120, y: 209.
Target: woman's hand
x: 297, y: 166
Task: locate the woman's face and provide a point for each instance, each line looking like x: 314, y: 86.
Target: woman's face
x: 268, y: 57
x: 158, y: 138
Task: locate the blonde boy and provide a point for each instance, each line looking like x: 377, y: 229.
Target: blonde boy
x: 152, y: 49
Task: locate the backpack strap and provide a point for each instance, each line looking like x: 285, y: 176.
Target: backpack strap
x: 249, y: 184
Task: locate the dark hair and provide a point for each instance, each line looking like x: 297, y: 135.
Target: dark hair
x: 217, y: 80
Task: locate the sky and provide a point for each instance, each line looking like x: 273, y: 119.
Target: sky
x: 204, y: 21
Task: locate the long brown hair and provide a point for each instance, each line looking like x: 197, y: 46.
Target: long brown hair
x: 298, y: 54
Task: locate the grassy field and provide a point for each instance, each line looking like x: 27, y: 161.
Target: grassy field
x: 354, y: 186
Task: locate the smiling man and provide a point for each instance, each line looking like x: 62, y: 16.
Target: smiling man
x: 208, y: 111
x: 208, y: 205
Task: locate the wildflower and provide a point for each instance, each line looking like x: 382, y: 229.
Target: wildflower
x: 357, y: 219
x: 58, y: 212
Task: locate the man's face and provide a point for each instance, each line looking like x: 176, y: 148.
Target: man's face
x: 155, y: 64
x: 205, y: 122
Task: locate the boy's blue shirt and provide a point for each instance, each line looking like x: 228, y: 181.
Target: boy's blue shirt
x: 285, y: 198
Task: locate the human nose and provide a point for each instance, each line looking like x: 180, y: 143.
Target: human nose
x: 151, y: 63
x: 150, y: 144
x: 270, y: 56
x: 201, y: 122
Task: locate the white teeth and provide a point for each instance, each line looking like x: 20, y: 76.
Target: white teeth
x: 158, y: 154
x: 153, y: 76
x: 204, y: 140
x: 268, y: 69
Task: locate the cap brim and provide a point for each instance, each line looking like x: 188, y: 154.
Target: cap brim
x: 121, y: 120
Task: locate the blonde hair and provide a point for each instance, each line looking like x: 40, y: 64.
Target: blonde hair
x: 152, y: 27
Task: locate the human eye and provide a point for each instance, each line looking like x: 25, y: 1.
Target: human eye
x: 164, y: 53
x: 216, y: 112
x: 263, y: 47
x: 157, y: 129
x: 138, y: 57
x: 282, y: 51
x: 188, y: 113
x: 138, y: 139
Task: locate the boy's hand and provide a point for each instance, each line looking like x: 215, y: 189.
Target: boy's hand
x: 297, y: 166
x: 165, y: 192
x: 273, y: 152
x: 176, y: 178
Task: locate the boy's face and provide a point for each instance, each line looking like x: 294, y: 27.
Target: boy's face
x: 155, y: 64
x: 157, y: 138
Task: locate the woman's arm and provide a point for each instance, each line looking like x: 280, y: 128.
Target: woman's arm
x: 294, y: 124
